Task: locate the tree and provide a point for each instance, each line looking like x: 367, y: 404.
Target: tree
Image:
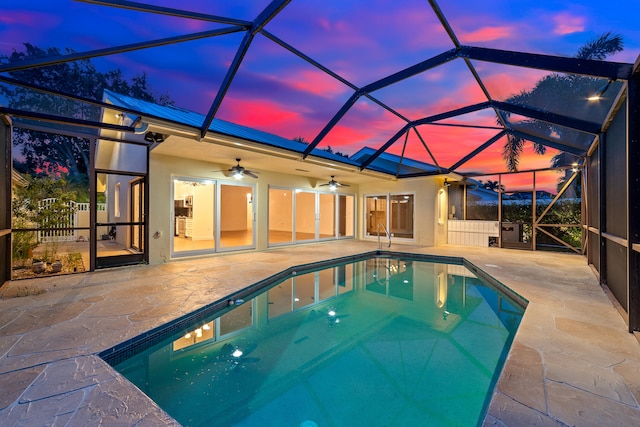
x: 51, y: 154
x: 328, y: 149
x: 564, y: 93
x: 29, y: 211
x: 492, y: 185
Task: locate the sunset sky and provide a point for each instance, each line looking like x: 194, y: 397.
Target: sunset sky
x: 360, y: 40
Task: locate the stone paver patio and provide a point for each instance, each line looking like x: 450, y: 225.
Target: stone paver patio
x: 572, y: 361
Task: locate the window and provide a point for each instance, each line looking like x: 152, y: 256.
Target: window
x: 392, y: 213
x: 442, y: 206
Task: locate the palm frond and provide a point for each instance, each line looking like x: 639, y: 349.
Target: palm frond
x: 601, y: 47
x: 539, y: 148
x: 512, y: 151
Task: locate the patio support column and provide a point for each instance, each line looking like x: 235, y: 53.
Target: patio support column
x: 5, y: 200
x: 633, y: 197
x: 602, y: 170
x: 534, y: 217
x: 93, y: 207
x: 146, y: 198
x: 500, y: 210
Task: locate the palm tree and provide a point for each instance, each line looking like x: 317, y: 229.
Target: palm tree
x: 492, y: 185
x: 565, y: 93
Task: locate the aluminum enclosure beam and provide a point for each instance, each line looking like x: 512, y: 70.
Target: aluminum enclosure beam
x: 143, y: 7
x: 477, y: 151
x: 549, y: 117
x: 547, y: 142
x: 265, y: 16
x: 60, y: 59
x: 633, y: 198
x: 558, y: 64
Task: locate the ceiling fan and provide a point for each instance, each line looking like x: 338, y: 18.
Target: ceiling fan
x: 333, y: 184
x: 238, y: 171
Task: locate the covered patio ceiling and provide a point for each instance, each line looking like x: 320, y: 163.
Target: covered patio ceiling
x: 448, y: 85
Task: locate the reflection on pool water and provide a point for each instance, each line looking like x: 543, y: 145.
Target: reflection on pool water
x: 378, y: 342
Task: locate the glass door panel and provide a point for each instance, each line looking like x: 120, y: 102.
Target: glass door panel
x: 280, y: 216
x: 305, y: 216
x: 236, y: 216
x: 402, y: 216
x: 346, y: 216
x: 327, y: 216
x: 193, y: 215
x: 137, y: 215
x: 376, y: 211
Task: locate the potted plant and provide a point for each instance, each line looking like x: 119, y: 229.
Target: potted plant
x: 56, y: 266
x: 38, y: 266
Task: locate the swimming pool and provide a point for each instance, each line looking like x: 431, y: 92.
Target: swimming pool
x: 380, y: 339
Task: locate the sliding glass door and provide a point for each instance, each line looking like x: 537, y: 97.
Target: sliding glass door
x: 297, y: 216
x: 210, y: 216
x: 390, y: 215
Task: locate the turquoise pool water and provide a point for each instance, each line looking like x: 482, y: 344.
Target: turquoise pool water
x: 383, y: 341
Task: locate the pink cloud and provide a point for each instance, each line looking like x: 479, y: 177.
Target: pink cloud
x: 264, y: 115
x: 566, y: 23
x: 467, y: 94
x: 503, y: 83
x: 346, y: 136
x: 487, y: 34
x: 318, y: 83
x: 24, y: 18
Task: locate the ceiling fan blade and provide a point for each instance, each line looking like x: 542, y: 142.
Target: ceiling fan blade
x: 343, y: 185
x: 251, y: 173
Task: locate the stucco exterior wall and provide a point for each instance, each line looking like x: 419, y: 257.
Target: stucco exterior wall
x: 427, y: 230
x: 161, y: 170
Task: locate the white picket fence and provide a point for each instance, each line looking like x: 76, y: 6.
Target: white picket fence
x: 77, y: 217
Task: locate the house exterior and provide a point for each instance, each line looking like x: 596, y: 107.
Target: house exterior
x: 196, y: 207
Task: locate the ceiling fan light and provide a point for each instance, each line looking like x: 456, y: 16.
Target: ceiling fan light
x: 237, y: 174
x: 333, y: 187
